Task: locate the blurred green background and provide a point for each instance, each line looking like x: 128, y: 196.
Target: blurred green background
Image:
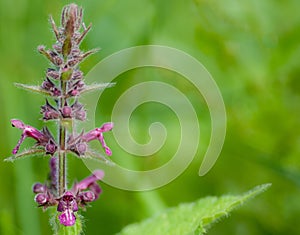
x: 252, y: 50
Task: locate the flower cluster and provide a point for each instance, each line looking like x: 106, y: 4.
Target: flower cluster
x: 63, y: 84
x: 76, y: 144
x: 79, y: 196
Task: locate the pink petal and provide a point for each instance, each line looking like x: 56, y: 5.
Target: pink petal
x: 17, y: 123
x: 106, y: 127
x: 67, y: 218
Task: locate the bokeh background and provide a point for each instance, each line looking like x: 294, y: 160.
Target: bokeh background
x: 252, y: 50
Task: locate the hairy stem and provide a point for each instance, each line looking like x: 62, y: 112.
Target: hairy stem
x: 62, y: 158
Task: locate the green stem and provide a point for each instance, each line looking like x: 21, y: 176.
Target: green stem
x: 62, y: 158
x: 62, y: 161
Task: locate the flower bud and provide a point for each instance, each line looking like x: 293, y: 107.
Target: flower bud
x: 52, y: 73
x: 74, y: 93
x: 57, y: 47
x: 80, y: 148
x: 77, y: 74
x: 50, y: 55
x: 88, y: 196
x: 39, y: 188
x: 41, y: 198
x: 75, y: 87
x: 66, y: 112
x: 56, y: 92
x: 73, y: 62
x: 49, y: 112
x: 50, y: 115
x: 48, y: 85
x: 80, y: 115
x: 50, y: 147
x: 76, y: 51
x: 55, y: 58
x: 95, y: 188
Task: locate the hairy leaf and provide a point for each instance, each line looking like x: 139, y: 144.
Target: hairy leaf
x: 94, y: 87
x: 90, y: 154
x: 192, y: 218
x: 27, y: 153
x: 36, y: 89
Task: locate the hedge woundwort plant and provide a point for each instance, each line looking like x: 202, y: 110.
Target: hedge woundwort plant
x: 63, y: 85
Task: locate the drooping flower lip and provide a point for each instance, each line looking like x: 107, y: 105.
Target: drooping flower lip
x: 67, y: 218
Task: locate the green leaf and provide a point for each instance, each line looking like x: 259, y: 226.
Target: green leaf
x: 96, y: 86
x: 66, y: 75
x: 88, y: 88
x: 90, y: 154
x: 30, y: 152
x: 192, y: 218
x: 67, y: 46
x: 31, y: 88
x: 88, y: 53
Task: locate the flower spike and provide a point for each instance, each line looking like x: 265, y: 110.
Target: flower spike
x: 63, y: 84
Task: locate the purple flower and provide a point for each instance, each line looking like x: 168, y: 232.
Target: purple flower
x: 44, y: 196
x: 52, y: 73
x: 83, y: 192
x: 67, y: 218
x: 78, y: 144
x: 43, y: 138
x: 76, y: 87
x: 85, y: 183
x: 39, y: 188
x: 49, y: 86
x: 67, y: 205
x: 97, y: 134
x: 78, y: 111
x: 49, y: 112
x: 66, y: 111
x: 89, y: 183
